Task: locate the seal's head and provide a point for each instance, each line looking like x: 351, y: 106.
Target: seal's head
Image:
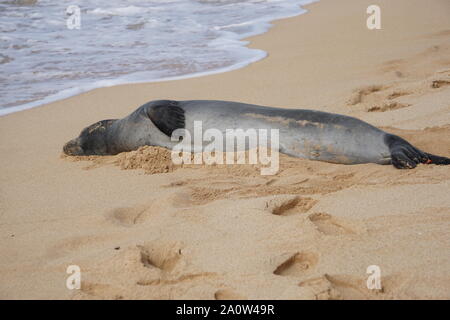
x: 91, y: 141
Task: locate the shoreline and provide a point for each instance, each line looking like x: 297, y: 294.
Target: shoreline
x: 308, y: 232
x: 68, y: 93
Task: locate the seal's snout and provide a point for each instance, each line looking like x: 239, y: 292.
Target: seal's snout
x: 72, y: 148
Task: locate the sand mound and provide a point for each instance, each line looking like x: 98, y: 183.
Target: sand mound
x: 151, y: 159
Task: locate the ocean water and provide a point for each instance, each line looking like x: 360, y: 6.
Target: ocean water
x: 123, y: 41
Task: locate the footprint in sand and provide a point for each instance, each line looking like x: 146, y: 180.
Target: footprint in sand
x: 297, y: 264
x: 290, y: 206
x: 128, y: 216
x: 397, y: 93
x: 377, y: 98
x: 321, y: 288
x: 164, y: 258
x: 166, y: 261
x: 388, y: 107
x: 93, y: 290
x: 227, y: 294
x: 328, y: 225
x: 360, y: 95
x: 340, y: 287
x: 140, y: 213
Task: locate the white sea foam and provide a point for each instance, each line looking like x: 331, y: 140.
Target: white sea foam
x: 124, y: 41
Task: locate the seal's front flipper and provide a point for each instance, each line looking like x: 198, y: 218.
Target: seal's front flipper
x: 167, y: 115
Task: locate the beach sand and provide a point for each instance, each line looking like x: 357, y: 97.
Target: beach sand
x: 308, y: 232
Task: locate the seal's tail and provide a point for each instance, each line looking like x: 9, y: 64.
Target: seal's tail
x: 406, y: 156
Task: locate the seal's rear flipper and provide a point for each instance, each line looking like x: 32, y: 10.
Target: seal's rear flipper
x: 166, y: 115
x: 406, y: 156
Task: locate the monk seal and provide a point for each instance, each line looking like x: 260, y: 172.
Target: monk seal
x: 309, y: 134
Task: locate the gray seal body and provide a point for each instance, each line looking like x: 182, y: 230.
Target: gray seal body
x: 303, y: 133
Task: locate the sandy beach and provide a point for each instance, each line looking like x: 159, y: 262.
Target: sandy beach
x: 139, y: 229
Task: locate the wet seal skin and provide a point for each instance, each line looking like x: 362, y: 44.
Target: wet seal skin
x: 303, y: 133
